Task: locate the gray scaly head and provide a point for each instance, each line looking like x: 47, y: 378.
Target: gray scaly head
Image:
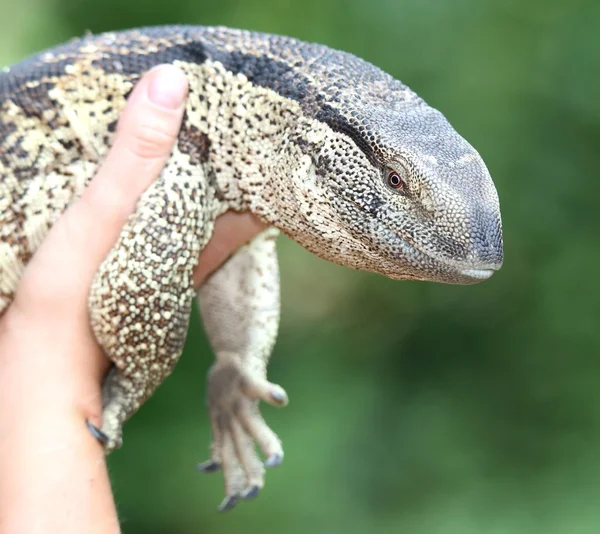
x: 383, y: 182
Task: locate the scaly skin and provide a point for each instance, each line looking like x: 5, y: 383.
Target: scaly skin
x: 317, y: 143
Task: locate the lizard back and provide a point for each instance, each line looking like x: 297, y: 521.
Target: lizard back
x: 58, y: 110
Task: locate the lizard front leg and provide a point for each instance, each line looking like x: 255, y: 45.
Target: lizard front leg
x: 240, y: 310
x: 141, y: 297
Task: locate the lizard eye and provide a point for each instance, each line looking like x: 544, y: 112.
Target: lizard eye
x: 395, y: 181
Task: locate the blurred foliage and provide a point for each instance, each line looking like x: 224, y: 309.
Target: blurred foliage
x: 415, y: 408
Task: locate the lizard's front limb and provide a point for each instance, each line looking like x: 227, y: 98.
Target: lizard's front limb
x: 141, y: 296
x: 240, y: 310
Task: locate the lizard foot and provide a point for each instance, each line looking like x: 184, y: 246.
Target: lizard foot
x: 120, y: 398
x: 233, y: 397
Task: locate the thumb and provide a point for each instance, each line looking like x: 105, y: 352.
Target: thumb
x: 65, y: 263
x: 143, y: 142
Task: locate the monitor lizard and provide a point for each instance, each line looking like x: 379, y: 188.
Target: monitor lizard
x: 316, y: 143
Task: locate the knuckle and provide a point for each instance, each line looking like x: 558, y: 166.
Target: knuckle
x: 151, y: 140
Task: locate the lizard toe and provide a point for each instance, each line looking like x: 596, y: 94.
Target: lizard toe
x: 256, y: 388
x: 255, y: 426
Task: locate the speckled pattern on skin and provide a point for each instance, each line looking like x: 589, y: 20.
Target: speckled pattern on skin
x: 317, y: 143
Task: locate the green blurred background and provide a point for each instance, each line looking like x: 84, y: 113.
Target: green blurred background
x: 415, y: 408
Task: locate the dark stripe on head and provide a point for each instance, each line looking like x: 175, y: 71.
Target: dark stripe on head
x: 353, y: 129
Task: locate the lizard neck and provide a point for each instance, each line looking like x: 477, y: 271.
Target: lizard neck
x: 258, y: 146
x: 292, y: 196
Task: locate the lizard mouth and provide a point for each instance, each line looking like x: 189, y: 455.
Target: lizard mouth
x: 456, y: 271
x: 444, y: 270
x: 434, y: 267
x: 478, y: 274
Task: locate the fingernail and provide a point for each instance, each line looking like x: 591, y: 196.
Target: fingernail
x: 168, y: 87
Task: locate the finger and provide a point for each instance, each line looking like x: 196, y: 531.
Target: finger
x: 66, y: 261
x: 144, y: 140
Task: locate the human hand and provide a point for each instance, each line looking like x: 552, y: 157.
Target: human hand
x: 53, y: 472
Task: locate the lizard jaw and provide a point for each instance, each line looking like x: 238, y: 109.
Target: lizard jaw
x: 438, y: 269
x: 478, y: 274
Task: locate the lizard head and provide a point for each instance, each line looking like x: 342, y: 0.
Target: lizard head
x: 397, y: 191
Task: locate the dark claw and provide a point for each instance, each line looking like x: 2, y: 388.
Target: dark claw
x: 209, y: 466
x: 97, y: 433
x: 251, y: 493
x: 278, y: 396
x: 274, y: 461
x: 228, y: 503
